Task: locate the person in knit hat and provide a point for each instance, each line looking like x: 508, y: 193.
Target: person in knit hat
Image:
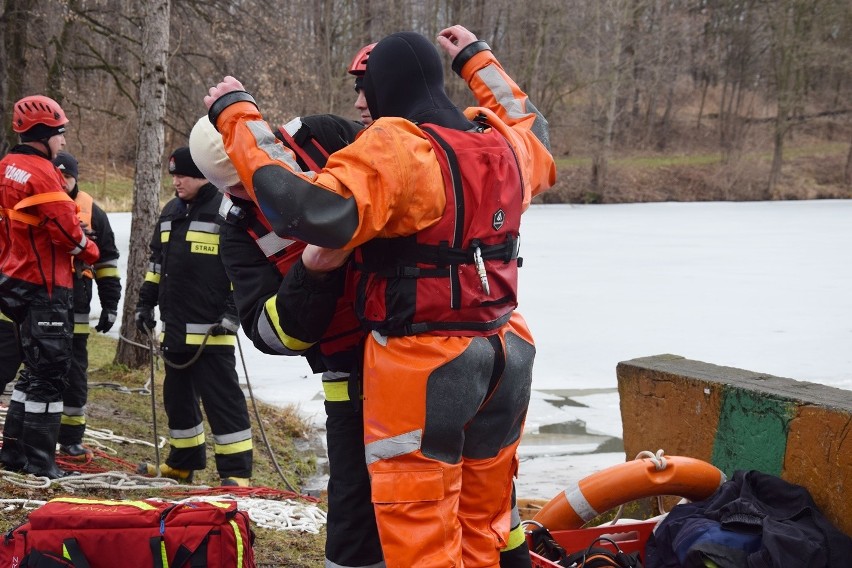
x: 105, y: 272
x: 187, y: 279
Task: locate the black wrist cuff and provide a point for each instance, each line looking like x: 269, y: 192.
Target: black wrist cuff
x: 225, y: 101
x: 465, y: 54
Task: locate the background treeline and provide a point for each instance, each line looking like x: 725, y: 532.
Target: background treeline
x: 616, y: 78
x: 648, y: 100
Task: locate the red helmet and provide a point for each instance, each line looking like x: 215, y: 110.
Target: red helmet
x: 37, y: 109
x: 359, y: 62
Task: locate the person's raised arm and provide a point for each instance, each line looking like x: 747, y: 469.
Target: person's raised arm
x: 294, y: 206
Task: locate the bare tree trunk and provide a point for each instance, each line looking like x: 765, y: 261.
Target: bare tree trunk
x: 149, y: 157
x: 619, y: 10
x: 777, y: 156
x: 13, y: 41
x: 847, y: 171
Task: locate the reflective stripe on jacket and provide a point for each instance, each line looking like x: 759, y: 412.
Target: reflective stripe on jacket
x: 186, y: 276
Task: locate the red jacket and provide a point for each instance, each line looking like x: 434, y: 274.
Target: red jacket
x: 39, y: 227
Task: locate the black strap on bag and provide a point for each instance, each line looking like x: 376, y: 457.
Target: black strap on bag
x: 72, y: 547
x: 546, y: 546
x: 198, y: 557
x: 41, y: 559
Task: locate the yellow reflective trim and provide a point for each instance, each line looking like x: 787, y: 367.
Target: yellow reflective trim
x: 337, y: 391
x: 204, y: 248
x: 164, y: 236
x: 238, y: 537
x: 82, y: 501
x: 188, y: 442
x: 65, y: 554
x: 110, y: 272
x: 234, y: 448
x: 73, y: 420
x: 4, y: 317
x: 164, y: 557
x: 197, y: 338
x: 152, y: 277
x: 81, y: 328
x: 516, y: 538
x: 199, y: 237
x: 290, y: 343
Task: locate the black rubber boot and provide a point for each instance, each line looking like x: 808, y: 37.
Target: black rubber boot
x: 12, y: 455
x: 40, y: 434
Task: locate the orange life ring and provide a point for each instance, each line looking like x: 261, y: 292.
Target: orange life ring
x: 686, y: 477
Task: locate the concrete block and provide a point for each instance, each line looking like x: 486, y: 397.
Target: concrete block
x: 738, y: 419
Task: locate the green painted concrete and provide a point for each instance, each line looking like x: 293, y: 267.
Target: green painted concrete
x: 752, y: 432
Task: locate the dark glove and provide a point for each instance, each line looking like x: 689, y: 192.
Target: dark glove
x: 145, y: 321
x: 107, y: 320
x: 226, y: 325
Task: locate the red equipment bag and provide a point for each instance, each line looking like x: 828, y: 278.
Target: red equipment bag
x: 92, y: 533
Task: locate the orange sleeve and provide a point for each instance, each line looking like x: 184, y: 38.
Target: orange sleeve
x: 519, y: 121
x: 389, y: 170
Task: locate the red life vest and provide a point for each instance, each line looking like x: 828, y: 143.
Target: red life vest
x: 344, y: 332
x: 460, y: 276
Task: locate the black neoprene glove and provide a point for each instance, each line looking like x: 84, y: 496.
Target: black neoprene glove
x: 145, y: 320
x: 106, y: 321
x: 228, y: 324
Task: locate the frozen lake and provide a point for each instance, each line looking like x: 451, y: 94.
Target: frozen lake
x: 763, y: 286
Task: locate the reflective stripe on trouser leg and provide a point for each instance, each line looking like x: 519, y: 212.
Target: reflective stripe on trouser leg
x: 216, y: 382
x: 186, y: 429
x: 75, y: 395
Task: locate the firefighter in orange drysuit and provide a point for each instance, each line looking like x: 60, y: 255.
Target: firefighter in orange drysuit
x: 432, y: 199
x: 40, y: 234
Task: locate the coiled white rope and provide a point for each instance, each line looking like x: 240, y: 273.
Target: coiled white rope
x: 24, y: 480
x: 96, y: 437
x: 118, y: 480
x: 282, y: 515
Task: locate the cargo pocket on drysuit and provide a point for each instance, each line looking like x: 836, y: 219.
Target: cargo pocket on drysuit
x: 407, y: 486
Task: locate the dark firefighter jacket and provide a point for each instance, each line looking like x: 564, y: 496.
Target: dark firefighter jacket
x: 186, y: 276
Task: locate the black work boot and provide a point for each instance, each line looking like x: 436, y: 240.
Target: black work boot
x: 40, y: 434
x: 12, y: 455
x: 74, y: 449
x: 71, y: 439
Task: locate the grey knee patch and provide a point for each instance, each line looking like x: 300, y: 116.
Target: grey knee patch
x: 499, y: 422
x: 454, y: 393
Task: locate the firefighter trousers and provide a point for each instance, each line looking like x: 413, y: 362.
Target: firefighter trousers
x: 73, y: 422
x: 212, y: 379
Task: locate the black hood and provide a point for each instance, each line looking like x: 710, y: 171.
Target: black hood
x: 405, y: 78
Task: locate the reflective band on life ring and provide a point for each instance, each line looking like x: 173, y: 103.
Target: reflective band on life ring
x: 685, y: 477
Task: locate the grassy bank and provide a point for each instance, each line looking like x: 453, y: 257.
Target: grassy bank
x: 128, y: 414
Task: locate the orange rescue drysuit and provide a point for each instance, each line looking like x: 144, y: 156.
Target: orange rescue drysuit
x: 443, y: 410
